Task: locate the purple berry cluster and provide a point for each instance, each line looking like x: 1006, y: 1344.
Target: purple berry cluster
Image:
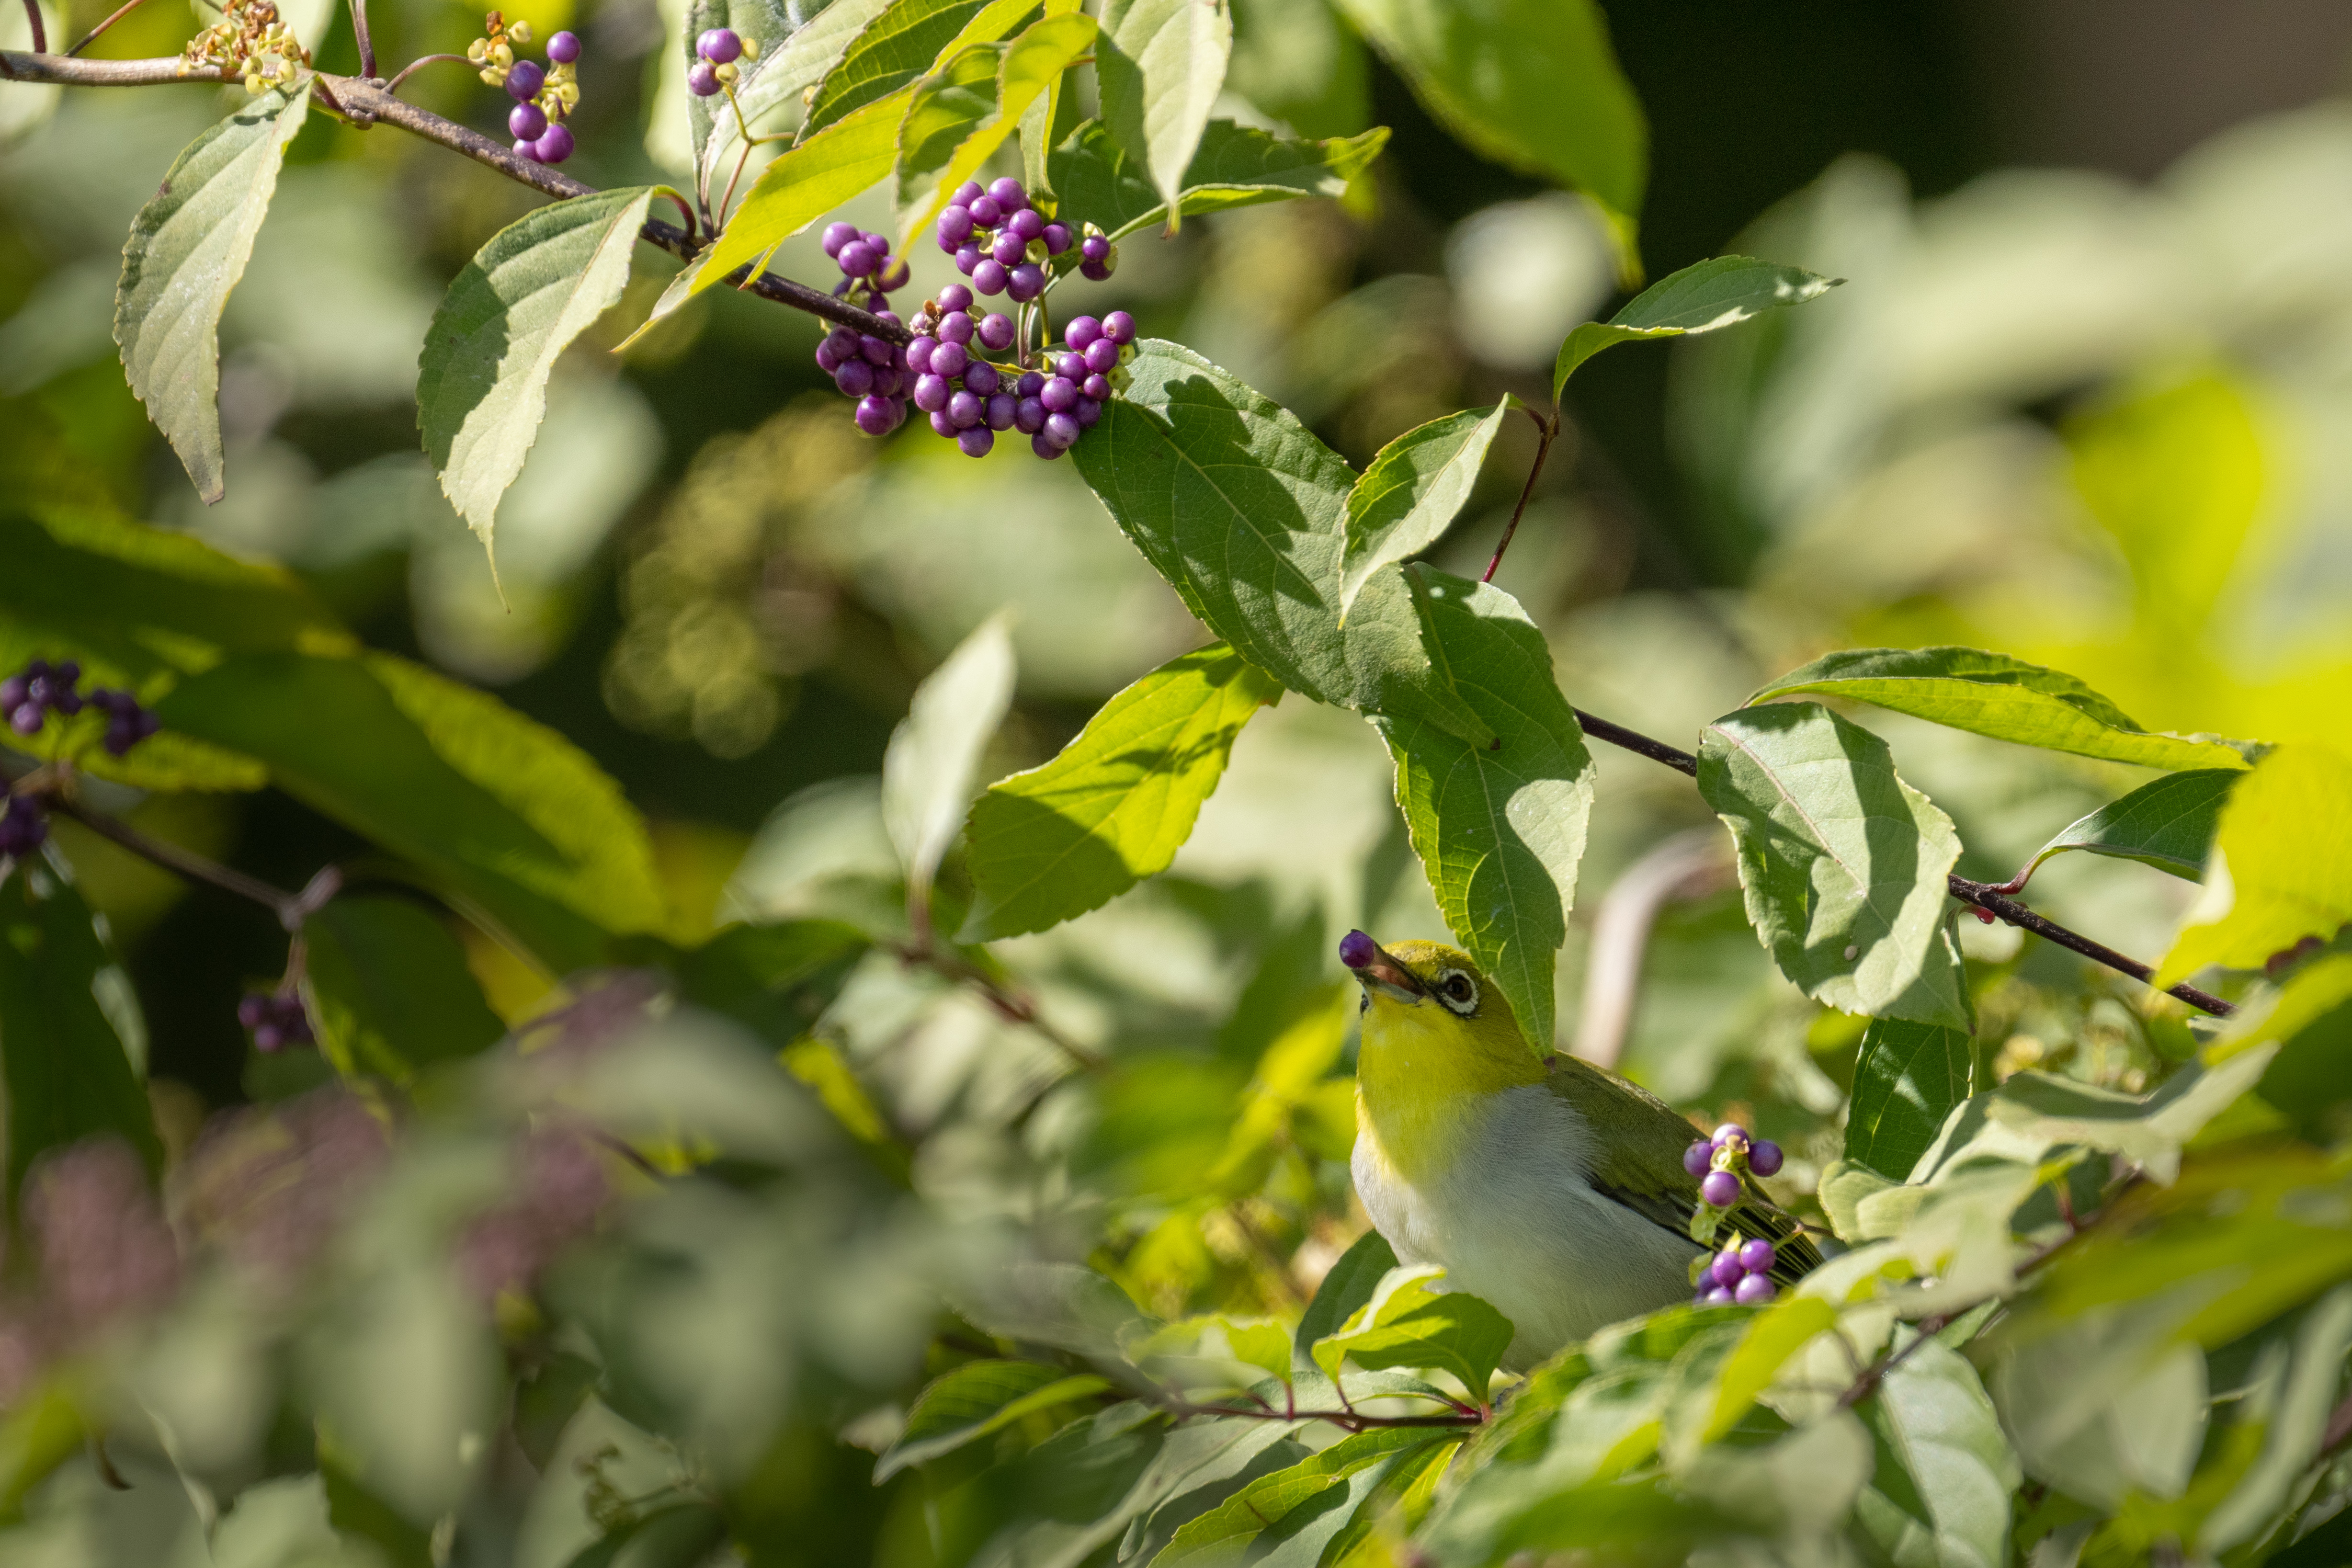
x: 714, y: 68
x: 23, y: 827
x: 1001, y: 242
x: 40, y: 688
x: 275, y: 1019
x: 1738, y: 1274
x: 970, y: 398
x: 1717, y: 1163
x: 542, y: 95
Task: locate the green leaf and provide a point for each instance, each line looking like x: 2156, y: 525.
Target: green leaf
x: 1993, y: 694
x: 963, y: 113
x: 2310, y: 1019
x: 771, y: 27
x: 1160, y: 65
x: 1531, y: 84
x: 822, y: 171
x: 1777, y: 1334
x: 928, y: 772
x: 779, y: 77
x: 1842, y: 863
x: 1940, y: 1493
x: 390, y: 989
x: 1500, y: 830
x: 2282, y: 865
x: 505, y: 815
x: 1214, y: 1352
x: 1906, y: 1082
x: 1116, y: 804
x: 481, y: 384
x: 1345, y: 1289
x: 907, y: 39
x: 2168, y: 824
x: 1720, y: 292
x: 2292, y: 1429
x: 73, y: 1047
x: 1412, y: 492
x: 776, y: 979
x: 188, y: 248
x: 1299, y: 63
x: 976, y: 1399
x: 1236, y: 166
x: 1408, y: 1323
x: 1287, y: 1518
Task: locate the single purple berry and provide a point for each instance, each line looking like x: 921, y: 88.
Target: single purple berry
x: 524, y: 79
x: 26, y: 718
x: 1069, y: 367
x: 943, y: 425
x: 1120, y: 327
x: 1060, y: 393
x: 554, y: 145
x: 1095, y: 271
x: 1726, y: 1268
x: 877, y: 352
x: 1096, y: 387
x: 919, y: 354
x: 1001, y: 407
x: 1007, y: 250
x: 949, y: 360
x: 1714, y: 1296
x: 527, y: 149
x: 702, y: 78
x: 855, y: 379
x: 955, y: 228
x: 1027, y: 224
x: 1102, y: 356
x: 268, y: 1038
x: 1061, y: 429
x: 1730, y: 1133
x: 986, y: 211
x: 120, y: 738
x: 252, y: 1008
x: 932, y: 393
x: 720, y: 45
x: 1764, y: 1157
x: 836, y: 236
x: 858, y: 259
x: 1753, y: 1291
x: 1081, y: 332
x: 968, y: 193
x: 997, y: 331
x: 876, y: 415
x: 889, y: 381
x: 563, y: 48
x: 1028, y: 416
x: 989, y: 276
x: 1008, y: 194
x: 880, y: 242
x: 1698, y: 1159
x: 981, y: 376
x: 1094, y: 248
x: 956, y: 327
x: 1057, y: 238
x: 965, y: 409
x: 1757, y: 1256
x: 955, y: 297
x: 1025, y: 282
x: 1721, y: 1189
x: 893, y: 275
x: 1031, y: 383
x: 528, y: 121
x: 967, y: 259
x: 1040, y: 445
x: 976, y: 441
x: 13, y: 692
x: 1087, y: 411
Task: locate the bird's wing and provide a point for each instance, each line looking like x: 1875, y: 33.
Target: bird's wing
x: 1638, y: 1162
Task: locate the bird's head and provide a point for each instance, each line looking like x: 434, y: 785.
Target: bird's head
x: 1434, y: 1027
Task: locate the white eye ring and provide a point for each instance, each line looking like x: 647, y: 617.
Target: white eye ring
x: 1458, y: 992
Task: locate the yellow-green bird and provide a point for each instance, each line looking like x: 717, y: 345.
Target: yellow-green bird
x: 1556, y: 1191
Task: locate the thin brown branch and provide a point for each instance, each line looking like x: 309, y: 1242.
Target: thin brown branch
x: 367, y: 45
x: 172, y: 857
x: 1345, y: 1420
x: 40, y: 33
x: 88, y: 38
x: 418, y: 64
x: 1550, y: 433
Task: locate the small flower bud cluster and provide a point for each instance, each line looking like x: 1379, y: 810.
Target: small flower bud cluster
x: 1001, y: 242
x: 40, y: 688
x: 23, y: 827
x: 715, y: 68
x: 542, y: 96
x: 1718, y: 1161
x: 250, y: 43
x: 1739, y: 1274
x: 275, y: 1019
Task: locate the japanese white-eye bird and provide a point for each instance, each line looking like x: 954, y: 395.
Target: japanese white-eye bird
x: 1554, y: 1190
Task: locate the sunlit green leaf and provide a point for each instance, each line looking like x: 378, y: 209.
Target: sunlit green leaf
x: 1236, y: 166
x: 1287, y: 1518
x: 2032, y: 1114
x: 390, y: 989
x: 907, y: 38
x: 845, y: 160
x: 481, y: 385
x: 2168, y: 824
x: 1116, y: 804
x: 1160, y: 65
x: 771, y: 27
x: 1777, y: 1333
x: 188, y: 248
x: 1940, y: 1493
x: 1214, y: 1352
x: 1408, y: 1323
x: 2282, y: 865
x: 2309, y: 1019
x: 961, y: 113
x: 2293, y: 1425
x: 1993, y: 694
x: 928, y: 774
x: 780, y: 76
x: 1532, y: 84
x: 1720, y: 292
x: 1842, y: 863
x: 1906, y: 1082
x: 1412, y: 490
x: 1345, y: 1289
x: 976, y: 1399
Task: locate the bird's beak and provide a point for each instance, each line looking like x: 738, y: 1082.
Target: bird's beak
x: 1376, y: 970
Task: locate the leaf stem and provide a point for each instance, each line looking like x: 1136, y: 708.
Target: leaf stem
x: 40, y: 33
x: 367, y: 45
x: 410, y: 70
x: 1549, y: 432
x: 87, y: 38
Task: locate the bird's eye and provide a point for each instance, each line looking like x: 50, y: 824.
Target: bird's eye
x: 1458, y: 992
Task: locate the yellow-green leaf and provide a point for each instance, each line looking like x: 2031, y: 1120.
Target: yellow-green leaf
x: 2282, y: 865
x: 844, y: 160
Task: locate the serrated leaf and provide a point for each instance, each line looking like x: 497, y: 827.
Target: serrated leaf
x: 1116, y: 804
x: 780, y: 76
x: 2168, y: 824
x: 1410, y: 1322
x: 1940, y: 1493
x: 1500, y: 830
x: 845, y: 160
x: 481, y: 383
x: 975, y: 1400
x: 1843, y: 865
x: 1287, y: 1518
x: 1532, y: 84
x: 909, y: 38
x: 389, y: 990
x: 503, y: 814
x: 928, y: 771
x: 963, y: 113
x: 1993, y: 694
x: 1161, y: 65
x: 1348, y: 1286
x: 2032, y: 1114
x: 1412, y: 490
x: 1236, y: 166
x: 188, y: 248
x: 73, y: 1047
x: 1720, y: 292
x: 769, y: 26
x: 1906, y: 1082
x: 2282, y: 865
